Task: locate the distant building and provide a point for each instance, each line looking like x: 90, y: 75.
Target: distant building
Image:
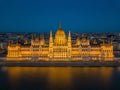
x: 116, y: 45
x: 60, y: 48
x: 3, y: 45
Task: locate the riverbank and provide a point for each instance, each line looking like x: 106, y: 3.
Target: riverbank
x: 61, y: 64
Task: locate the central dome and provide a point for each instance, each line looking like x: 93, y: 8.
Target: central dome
x: 60, y: 37
x: 60, y: 32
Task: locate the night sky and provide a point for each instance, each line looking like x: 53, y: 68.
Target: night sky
x: 46, y: 15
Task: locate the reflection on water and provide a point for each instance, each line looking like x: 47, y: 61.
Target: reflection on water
x: 58, y: 78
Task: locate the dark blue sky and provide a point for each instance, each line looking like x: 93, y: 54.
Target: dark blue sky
x: 75, y: 15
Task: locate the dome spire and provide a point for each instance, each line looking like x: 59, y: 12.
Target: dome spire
x: 60, y: 26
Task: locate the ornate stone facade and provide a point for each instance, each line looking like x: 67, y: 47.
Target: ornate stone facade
x: 60, y: 48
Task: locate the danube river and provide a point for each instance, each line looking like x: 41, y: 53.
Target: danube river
x: 59, y: 78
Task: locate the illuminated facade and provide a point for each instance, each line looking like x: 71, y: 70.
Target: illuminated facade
x: 60, y: 48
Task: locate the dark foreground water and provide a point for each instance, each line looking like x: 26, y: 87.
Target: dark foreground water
x: 59, y: 78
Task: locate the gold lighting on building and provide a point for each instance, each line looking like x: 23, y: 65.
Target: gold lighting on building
x: 60, y: 48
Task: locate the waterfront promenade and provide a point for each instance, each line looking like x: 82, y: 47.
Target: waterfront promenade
x: 61, y: 63
x: 83, y: 63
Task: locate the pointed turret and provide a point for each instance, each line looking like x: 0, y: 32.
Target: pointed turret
x: 42, y: 40
x: 36, y: 38
x: 69, y: 37
x: 69, y: 45
x: 51, y: 38
x: 50, y: 55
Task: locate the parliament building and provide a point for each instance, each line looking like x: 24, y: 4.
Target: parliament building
x: 60, y: 48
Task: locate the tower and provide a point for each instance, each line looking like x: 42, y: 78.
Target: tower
x: 51, y: 46
x: 32, y: 40
x: 42, y: 40
x: 69, y: 45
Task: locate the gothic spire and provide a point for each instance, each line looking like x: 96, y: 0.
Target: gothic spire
x: 51, y: 38
x: 69, y: 39
x: 69, y: 36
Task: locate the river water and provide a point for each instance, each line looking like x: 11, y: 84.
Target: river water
x: 60, y: 78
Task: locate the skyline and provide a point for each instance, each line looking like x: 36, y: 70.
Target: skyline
x: 76, y: 16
